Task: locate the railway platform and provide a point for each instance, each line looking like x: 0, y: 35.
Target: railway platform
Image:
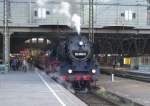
x: 136, y: 91
x: 34, y: 88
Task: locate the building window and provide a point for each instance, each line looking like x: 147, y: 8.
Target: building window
x: 129, y: 15
x: 148, y: 18
x: 47, y: 13
x: 40, y: 13
x: 134, y: 15
x: 35, y: 13
x: 122, y: 14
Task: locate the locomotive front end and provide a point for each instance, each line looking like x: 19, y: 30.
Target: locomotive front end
x: 79, y: 48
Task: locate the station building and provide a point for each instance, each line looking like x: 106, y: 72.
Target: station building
x: 133, y: 13
x: 114, y: 18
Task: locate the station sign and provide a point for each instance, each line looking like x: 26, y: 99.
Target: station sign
x: 127, y: 61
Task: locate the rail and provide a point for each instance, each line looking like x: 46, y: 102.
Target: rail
x: 145, y: 77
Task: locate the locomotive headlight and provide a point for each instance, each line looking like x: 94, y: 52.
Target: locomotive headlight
x: 93, y: 71
x: 69, y: 71
x: 81, y: 43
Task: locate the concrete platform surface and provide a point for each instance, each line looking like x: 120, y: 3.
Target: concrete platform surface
x: 136, y: 91
x: 34, y: 89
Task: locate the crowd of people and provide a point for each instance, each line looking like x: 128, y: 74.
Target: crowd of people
x: 19, y: 64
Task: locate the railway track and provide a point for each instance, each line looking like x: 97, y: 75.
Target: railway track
x: 126, y: 74
x: 92, y: 100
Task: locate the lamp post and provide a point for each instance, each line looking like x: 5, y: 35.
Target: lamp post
x: 91, y: 19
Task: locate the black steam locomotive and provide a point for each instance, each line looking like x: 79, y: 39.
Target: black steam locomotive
x: 77, y: 62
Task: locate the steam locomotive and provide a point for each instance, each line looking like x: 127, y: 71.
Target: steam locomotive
x: 72, y: 60
x: 77, y: 62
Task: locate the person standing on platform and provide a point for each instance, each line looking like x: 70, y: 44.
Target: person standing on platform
x: 114, y: 64
x: 25, y: 65
x: 14, y: 64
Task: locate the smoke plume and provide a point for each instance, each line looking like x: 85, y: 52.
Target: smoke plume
x: 41, y: 3
x: 67, y: 9
x: 105, y: 1
x: 76, y: 22
x: 70, y: 11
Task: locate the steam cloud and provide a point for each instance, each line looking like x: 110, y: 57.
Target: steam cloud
x: 72, y: 18
x: 76, y: 22
x: 104, y: 1
x: 65, y: 9
x: 68, y: 10
x: 41, y: 3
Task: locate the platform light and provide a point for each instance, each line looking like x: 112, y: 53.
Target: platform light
x: 109, y: 55
x: 93, y: 71
x: 46, y: 54
x: 11, y: 55
x: 69, y: 71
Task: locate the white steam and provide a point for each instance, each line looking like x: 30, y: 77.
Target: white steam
x: 65, y: 9
x: 72, y: 19
x: 76, y: 21
x: 105, y: 1
x: 41, y: 3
